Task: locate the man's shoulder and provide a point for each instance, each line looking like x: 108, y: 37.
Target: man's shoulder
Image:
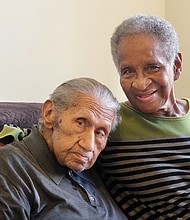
x: 8, y: 151
x: 12, y: 150
x: 14, y: 157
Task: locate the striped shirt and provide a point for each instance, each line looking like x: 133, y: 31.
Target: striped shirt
x: 146, y: 166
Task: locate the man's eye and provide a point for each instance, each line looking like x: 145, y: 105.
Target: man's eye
x: 100, y: 134
x: 81, y: 122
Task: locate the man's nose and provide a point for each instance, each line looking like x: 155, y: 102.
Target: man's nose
x: 87, y: 141
x: 141, y: 82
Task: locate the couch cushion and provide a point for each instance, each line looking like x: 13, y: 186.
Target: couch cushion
x: 21, y: 114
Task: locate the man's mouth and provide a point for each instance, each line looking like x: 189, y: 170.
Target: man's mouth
x: 84, y: 157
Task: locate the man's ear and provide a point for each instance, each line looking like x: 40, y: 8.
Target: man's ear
x: 177, y: 66
x: 48, y: 113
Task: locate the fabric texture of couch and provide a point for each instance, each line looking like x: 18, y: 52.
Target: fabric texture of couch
x: 23, y: 115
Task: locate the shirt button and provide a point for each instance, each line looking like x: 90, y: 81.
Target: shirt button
x: 70, y: 173
x: 92, y: 198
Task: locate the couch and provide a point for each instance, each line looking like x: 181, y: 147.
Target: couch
x: 19, y: 114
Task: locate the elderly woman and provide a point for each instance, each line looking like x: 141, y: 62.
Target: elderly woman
x: 147, y: 162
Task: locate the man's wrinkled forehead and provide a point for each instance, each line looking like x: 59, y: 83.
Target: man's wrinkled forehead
x: 93, y: 104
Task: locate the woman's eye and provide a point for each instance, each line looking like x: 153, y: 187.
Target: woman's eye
x: 153, y: 68
x: 127, y: 71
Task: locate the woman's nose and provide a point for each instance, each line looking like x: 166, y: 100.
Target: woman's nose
x: 141, y: 82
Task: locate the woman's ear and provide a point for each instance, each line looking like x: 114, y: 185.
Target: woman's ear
x: 48, y: 113
x: 177, y: 66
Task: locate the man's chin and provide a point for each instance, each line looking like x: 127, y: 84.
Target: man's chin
x: 79, y: 167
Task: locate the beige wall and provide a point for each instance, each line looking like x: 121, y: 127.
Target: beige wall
x: 45, y: 42
x: 177, y: 12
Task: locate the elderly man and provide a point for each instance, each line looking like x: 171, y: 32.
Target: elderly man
x: 40, y: 176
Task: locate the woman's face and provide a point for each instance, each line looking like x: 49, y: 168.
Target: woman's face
x: 146, y: 77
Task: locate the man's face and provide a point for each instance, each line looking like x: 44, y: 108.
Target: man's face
x: 146, y: 77
x: 80, y: 133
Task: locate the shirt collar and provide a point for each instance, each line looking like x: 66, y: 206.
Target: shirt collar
x: 39, y: 149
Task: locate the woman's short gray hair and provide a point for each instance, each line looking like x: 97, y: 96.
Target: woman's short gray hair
x: 65, y: 94
x: 146, y: 25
